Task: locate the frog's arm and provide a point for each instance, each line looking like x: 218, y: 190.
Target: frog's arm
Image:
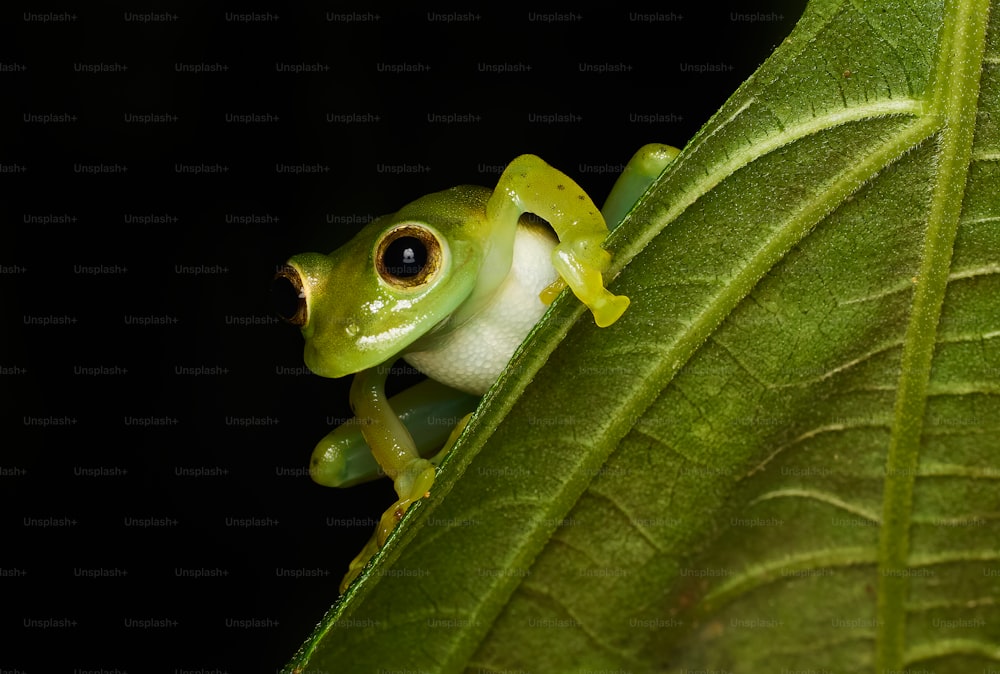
x: 391, y: 444
x: 378, y: 538
x: 643, y: 168
x: 429, y: 410
x: 396, y: 453
x: 529, y: 185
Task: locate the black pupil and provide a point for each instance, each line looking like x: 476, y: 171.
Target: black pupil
x: 405, y: 257
x: 284, y: 297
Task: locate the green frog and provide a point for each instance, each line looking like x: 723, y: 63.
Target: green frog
x: 452, y: 283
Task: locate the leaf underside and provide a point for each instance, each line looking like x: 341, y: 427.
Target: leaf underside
x: 787, y: 451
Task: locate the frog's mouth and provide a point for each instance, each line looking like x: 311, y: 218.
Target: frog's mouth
x: 288, y: 296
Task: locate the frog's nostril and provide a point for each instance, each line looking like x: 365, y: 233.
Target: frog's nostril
x: 287, y: 297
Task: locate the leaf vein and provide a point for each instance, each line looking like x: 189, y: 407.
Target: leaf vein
x: 632, y: 520
x: 829, y: 428
x: 822, y: 497
x: 985, y: 270
x: 783, y: 570
x: 939, y: 649
x: 879, y: 350
x: 542, y: 596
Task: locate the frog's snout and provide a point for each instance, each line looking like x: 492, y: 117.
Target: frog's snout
x: 288, y: 296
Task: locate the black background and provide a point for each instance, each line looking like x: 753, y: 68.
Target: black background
x: 123, y: 473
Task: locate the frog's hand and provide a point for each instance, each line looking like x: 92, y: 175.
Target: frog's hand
x: 529, y: 185
x: 643, y: 168
x: 390, y: 442
x: 429, y: 410
x: 385, y: 526
x: 423, y: 478
x: 392, y: 446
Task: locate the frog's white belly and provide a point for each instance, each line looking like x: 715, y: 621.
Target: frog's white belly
x: 471, y: 357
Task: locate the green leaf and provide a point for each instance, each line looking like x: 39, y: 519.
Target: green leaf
x: 785, y: 454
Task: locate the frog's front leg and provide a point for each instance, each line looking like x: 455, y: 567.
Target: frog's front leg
x: 427, y: 409
x: 391, y: 445
x: 378, y: 539
x: 529, y: 185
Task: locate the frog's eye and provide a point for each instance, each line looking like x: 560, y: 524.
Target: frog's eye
x: 408, y: 256
x: 288, y: 297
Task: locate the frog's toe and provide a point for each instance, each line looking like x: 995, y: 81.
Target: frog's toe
x: 550, y: 291
x: 608, y: 309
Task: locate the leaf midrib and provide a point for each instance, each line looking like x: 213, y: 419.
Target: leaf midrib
x: 952, y: 106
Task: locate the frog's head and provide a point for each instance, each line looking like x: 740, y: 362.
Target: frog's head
x: 396, y: 280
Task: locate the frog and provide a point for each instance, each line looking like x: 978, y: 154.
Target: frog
x: 452, y: 283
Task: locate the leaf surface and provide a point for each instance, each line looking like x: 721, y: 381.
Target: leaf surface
x: 787, y: 451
